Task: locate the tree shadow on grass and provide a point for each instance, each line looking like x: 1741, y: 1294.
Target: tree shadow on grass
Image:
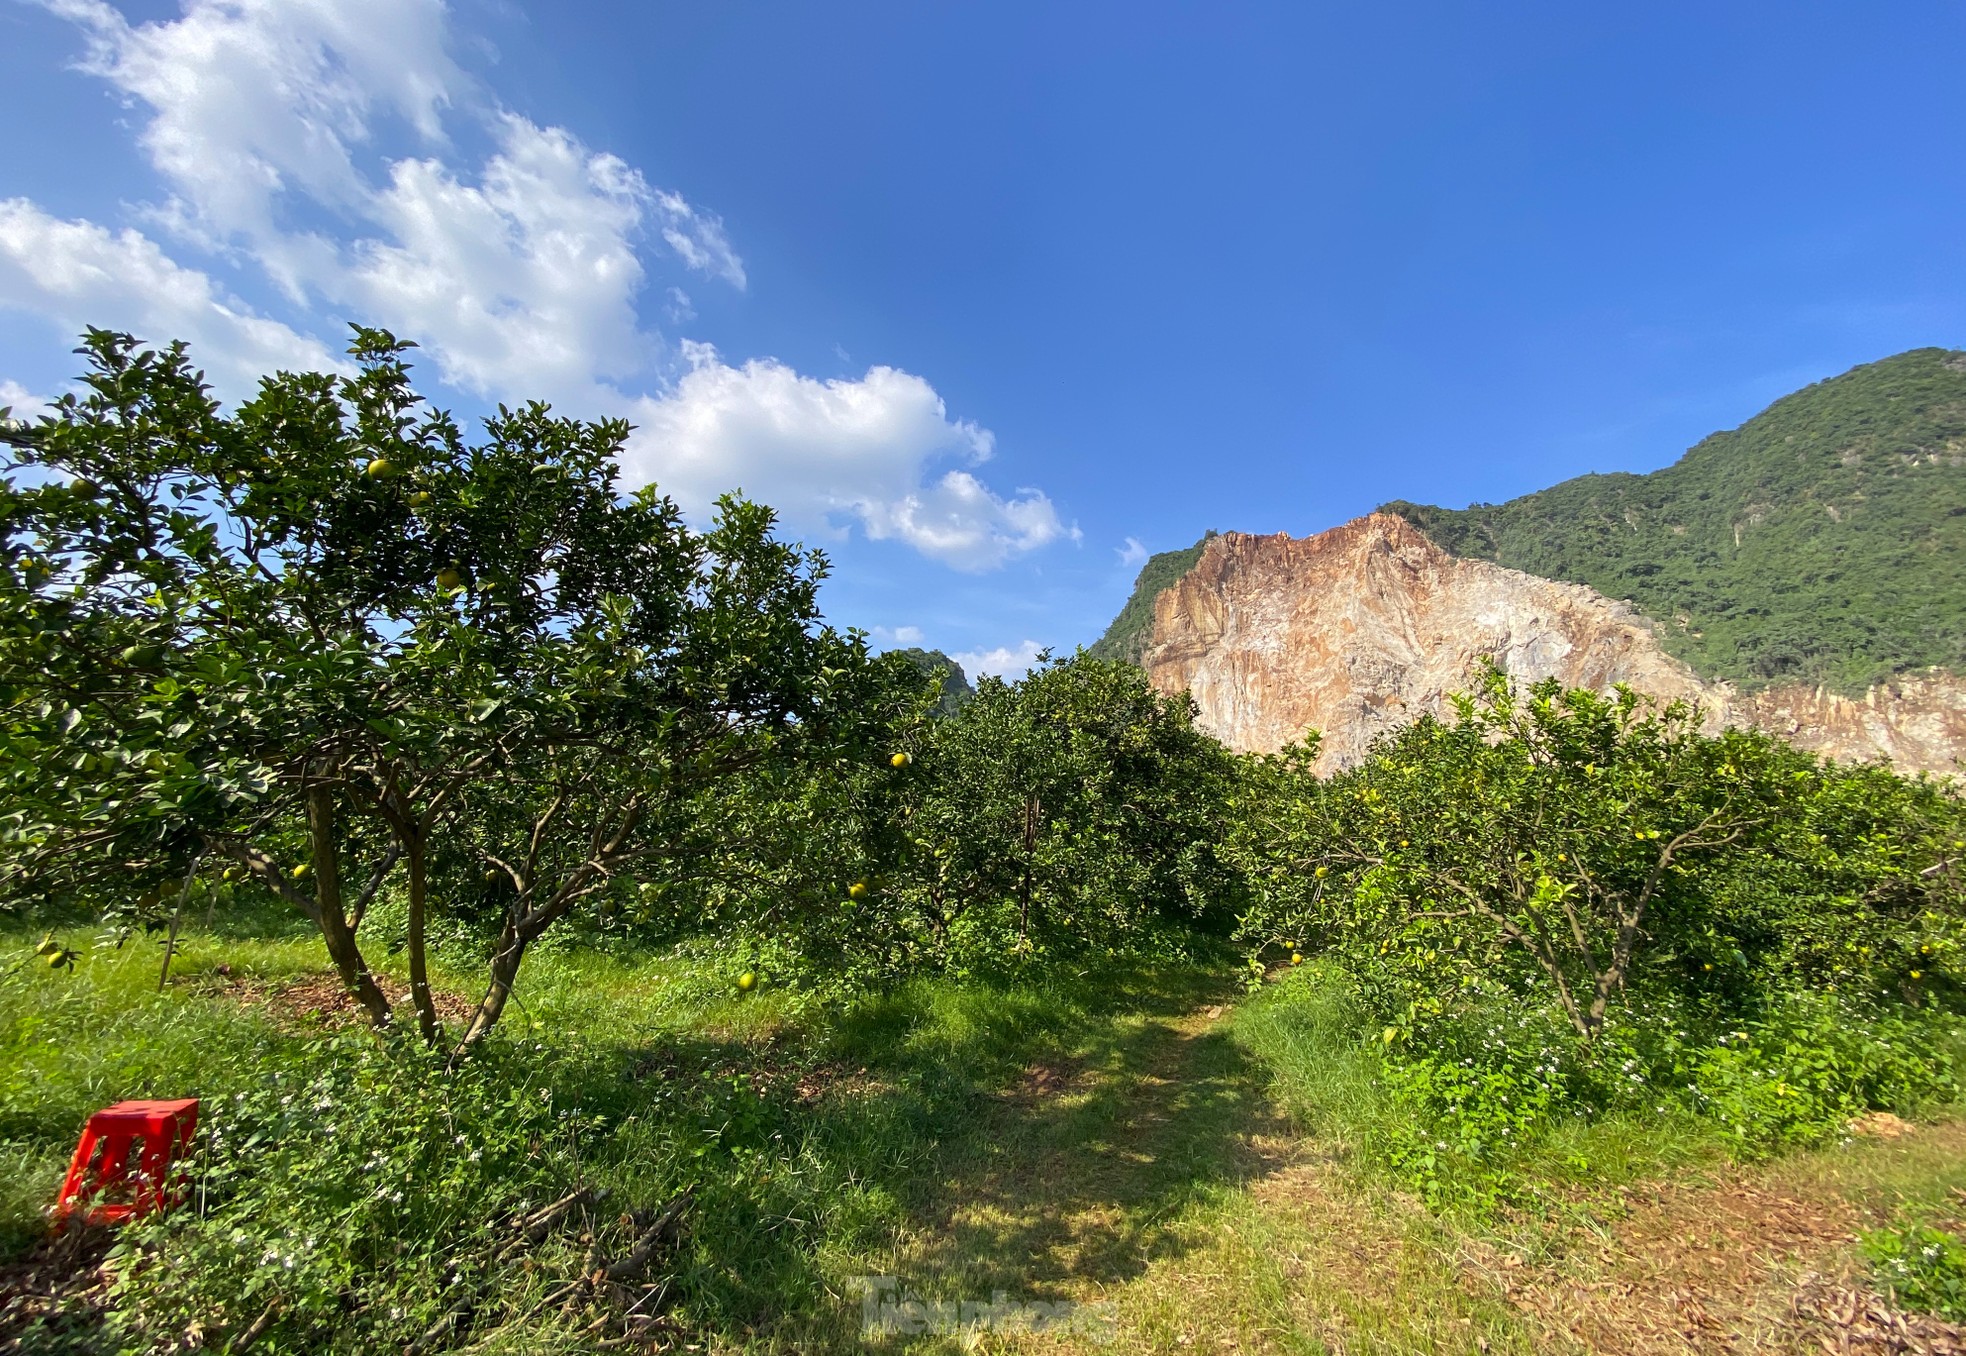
x: 1062, y: 1184
x: 967, y: 1138
x: 1062, y: 1136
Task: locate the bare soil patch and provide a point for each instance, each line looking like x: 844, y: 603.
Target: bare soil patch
x: 320, y: 1000
x: 1042, y: 1082
x: 1748, y: 1260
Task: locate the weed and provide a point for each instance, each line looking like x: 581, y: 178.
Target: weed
x: 1923, y: 1267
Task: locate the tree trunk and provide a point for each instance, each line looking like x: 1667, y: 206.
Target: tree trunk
x: 938, y: 920
x: 426, y: 1008
x: 512, y: 944
x: 340, y: 938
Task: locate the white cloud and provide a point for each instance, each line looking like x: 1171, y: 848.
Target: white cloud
x: 960, y: 520
x: 526, y: 279
x: 1131, y: 554
x: 816, y: 450
x: 1009, y: 662
x: 698, y: 239
x: 77, y: 274
x: 252, y: 98
x: 898, y: 635
x: 22, y: 404
x: 519, y: 274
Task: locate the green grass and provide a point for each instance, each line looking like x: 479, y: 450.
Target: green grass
x: 824, y: 1139
x: 1327, y: 1073
x: 1134, y: 1135
x: 70, y: 1044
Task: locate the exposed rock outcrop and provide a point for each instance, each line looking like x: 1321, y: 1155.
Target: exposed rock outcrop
x: 1367, y: 626
x: 1918, y: 721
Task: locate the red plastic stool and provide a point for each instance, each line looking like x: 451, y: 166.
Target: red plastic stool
x: 159, y: 1131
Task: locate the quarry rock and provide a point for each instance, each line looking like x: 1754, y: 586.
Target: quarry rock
x: 1360, y: 629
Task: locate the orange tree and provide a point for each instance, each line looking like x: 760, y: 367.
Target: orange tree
x: 1586, y: 847
x: 1077, y: 807
x: 1571, y: 903
x: 1567, y: 901
x: 328, y: 642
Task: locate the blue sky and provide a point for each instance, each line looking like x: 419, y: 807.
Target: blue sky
x: 990, y: 298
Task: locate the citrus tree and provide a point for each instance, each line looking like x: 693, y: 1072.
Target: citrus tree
x: 1067, y: 809
x: 792, y: 864
x: 329, y: 642
x: 1578, y: 847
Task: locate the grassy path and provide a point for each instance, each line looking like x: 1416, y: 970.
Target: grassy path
x: 1145, y: 1170
x: 1148, y: 1173
x: 1068, y: 1181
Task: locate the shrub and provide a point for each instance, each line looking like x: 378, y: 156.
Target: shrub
x: 1802, y: 1072
x: 1567, y: 905
x: 355, y: 1197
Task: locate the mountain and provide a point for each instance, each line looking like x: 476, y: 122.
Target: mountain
x: 1822, y: 542
x: 1804, y: 573
x: 1370, y: 625
x: 934, y: 664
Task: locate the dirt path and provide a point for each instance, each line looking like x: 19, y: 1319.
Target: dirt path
x: 1745, y: 1260
x: 1062, y: 1190
x: 1150, y: 1174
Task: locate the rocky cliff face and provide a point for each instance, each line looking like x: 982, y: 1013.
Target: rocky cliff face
x: 1918, y: 721
x: 1370, y: 625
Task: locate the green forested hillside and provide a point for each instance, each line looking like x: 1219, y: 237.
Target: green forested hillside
x: 1125, y: 637
x: 1823, y: 541
x: 956, y: 689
